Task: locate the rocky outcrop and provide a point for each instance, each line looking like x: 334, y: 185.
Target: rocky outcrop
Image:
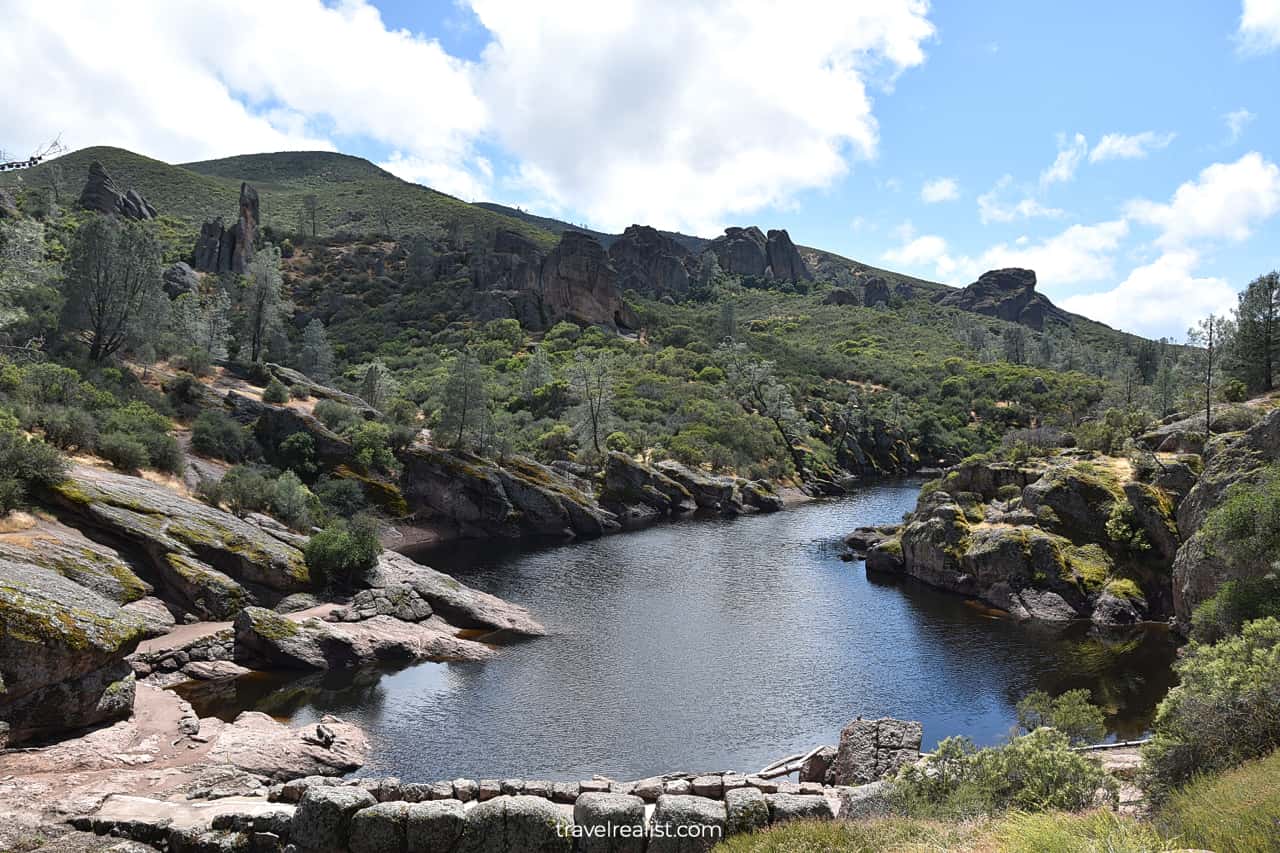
x: 875, y: 291
x: 1057, y: 539
x: 477, y: 497
x: 783, y: 258
x: 578, y: 283
x: 872, y: 750
x: 220, y: 249
x: 211, y: 562
x: 180, y: 278
x: 62, y: 650
x: 635, y: 491
x: 460, y: 604
x: 101, y: 194
x: 649, y: 262
x: 1238, y: 458
x: 1009, y: 294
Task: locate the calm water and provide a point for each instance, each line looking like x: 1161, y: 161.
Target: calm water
x: 706, y: 645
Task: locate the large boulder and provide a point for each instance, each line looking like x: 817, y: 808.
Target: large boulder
x: 708, y: 492
x: 611, y: 823
x: 55, y: 547
x: 180, y: 279
x: 788, y: 807
x: 481, y: 498
x: 436, y: 825
x: 689, y: 824
x: 62, y: 650
x: 324, y: 818
x: 628, y: 483
x: 649, y: 262
x: 784, y: 258
x: 742, y: 251
x: 1009, y: 294
x: 517, y: 824
x: 458, y: 603
x: 210, y: 561
x: 101, y: 194
x: 871, y: 750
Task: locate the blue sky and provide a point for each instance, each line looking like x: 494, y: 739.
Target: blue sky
x: 1126, y: 151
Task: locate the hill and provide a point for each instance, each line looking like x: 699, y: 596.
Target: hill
x: 353, y: 196
x: 559, y: 226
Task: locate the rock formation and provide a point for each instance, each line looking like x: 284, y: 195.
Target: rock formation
x: 102, y: 195
x: 1009, y: 294
x: 638, y: 492
x: 875, y: 291
x: 180, y: 278
x: 1074, y: 536
x: 649, y: 262
x: 219, y: 249
x: 749, y: 252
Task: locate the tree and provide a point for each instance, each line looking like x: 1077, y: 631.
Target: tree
x: 1015, y: 340
x: 465, y: 406
x: 1165, y: 389
x: 263, y: 302
x: 377, y: 385
x: 310, y: 209
x: 316, y: 358
x: 727, y: 323
x: 592, y: 377
x: 22, y: 267
x: 759, y: 390
x: 202, y: 321
x: 1206, y: 335
x: 1256, y: 343
x: 113, y: 285
x: 537, y: 374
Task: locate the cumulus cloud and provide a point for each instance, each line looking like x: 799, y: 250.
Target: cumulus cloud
x: 211, y: 80
x: 682, y: 114
x: 995, y: 206
x: 1260, y: 26
x: 1071, y: 151
x: 938, y: 190
x: 1160, y: 298
x: 1120, y: 146
x: 1225, y: 202
x: 1237, y: 121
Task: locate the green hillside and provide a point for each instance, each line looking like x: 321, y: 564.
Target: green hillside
x: 353, y: 196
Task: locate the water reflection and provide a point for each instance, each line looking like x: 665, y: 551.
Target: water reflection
x: 711, y: 645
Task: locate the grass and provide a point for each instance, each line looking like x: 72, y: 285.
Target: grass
x: 1235, y: 812
x: 354, y: 196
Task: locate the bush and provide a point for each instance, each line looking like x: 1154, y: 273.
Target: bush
x: 1225, y: 711
x: 1070, y: 713
x: 276, y: 392
x: 372, y: 444
x: 148, y: 429
x: 1235, y: 603
x: 297, y: 453
x: 1234, y: 391
x: 244, y: 489
x: 292, y: 502
x: 123, y: 451
x: 336, y: 416
x: 1235, y: 812
x: 1244, y: 528
x: 299, y: 392
x: 24, y: 463
x: 342, y: 497
x: 1034, y: 772
x: 219, y: 435
x: 68, y: 428
x: 343, y: 554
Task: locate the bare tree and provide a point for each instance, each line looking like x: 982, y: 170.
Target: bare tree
x: 1206, y: 335
x: 592, y: 378
x: 760, y: 390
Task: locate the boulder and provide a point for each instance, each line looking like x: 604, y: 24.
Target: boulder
x: 871, y: 750
x: 840, y: 296
x: 787, y: 807
x: 180, y: 279
x: 435, y: 825
x: 399, y: 601
x: 456, y: 602
x: 256, y: 743
x: 629, y: 483
x: 381, y: 828
x: 610, y: 823
x: 1009, y: 294
x: 783, y: 258
x: 517, y: 825
x: 863, y: 801
x: 678, y: 814
x: 713, y: 493
x: 101, y: 194
x: 324, y: 818
x: 62, y: 650
x: 66, y: 551
x: 649, y: 262
x: 760, y: 496
x: 746, y: 810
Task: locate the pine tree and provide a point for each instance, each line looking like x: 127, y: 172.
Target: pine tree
x: 464, y: 410
x: 1256, y: 343
x: 316, y: 358
x: 377, y: 386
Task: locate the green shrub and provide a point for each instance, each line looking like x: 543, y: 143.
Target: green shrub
x: 276, y: 392
x: 371, y: 441
x: 292, y: 502
x: 1235, y: 812
x: 342, y: 554
x: 1226, y: 709
x: 336, y: 416
x: 244, y: 489
x: 1235, y: 603
x: 1244, y: 528
x: 149, y: 430
x: 24, y: 463
x: 342, y: 497
x: 69, y: 428
x: 1234, y: 391
x: 1034, y: 772
x: 221, y: 436
x: 299, y: 392
x: 123, y: 451
x: 297, y: 453
x: 1070, y: 713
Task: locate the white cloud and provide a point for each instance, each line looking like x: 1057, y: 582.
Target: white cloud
x: 1120, y: 146
x: 939, y: 189
x: 1237, y: 121
x: 1163, y: 297
x: 993, y: 207
x: 1224, y: 202
x: 1260, y: 26
x: 1080, y: 253
x: 684, y: 114
x: 1071, y: 151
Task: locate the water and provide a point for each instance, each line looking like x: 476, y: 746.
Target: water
x: 712, y: 645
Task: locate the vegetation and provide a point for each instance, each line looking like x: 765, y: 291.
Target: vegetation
x: 1235, y: 812
x: 343, y: 553
x: 1070, y: 713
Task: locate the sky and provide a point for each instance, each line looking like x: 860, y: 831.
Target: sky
x: 1127, y: 152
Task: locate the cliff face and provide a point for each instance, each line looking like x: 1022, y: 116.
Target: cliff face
x: 1073, y: 536
x: 749, y: 252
